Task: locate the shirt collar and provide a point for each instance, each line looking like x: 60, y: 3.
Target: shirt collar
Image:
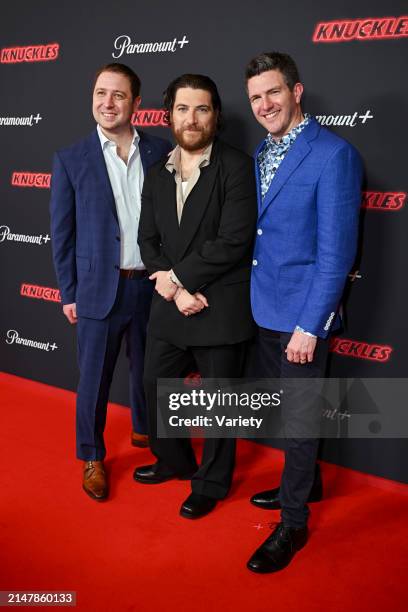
x: 104, y: 140
x: 173, y: 163
x: 290, y: 136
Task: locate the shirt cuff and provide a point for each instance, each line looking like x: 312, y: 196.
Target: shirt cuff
x: 300, y: 329
x: 175, y: 280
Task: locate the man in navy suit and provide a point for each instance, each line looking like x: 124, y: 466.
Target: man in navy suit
x: 105, y: 290
x: 309, y: 195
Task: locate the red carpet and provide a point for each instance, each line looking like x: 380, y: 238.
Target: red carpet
x: 134, y: 552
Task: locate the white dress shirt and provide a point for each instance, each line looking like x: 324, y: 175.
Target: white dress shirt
x: 127, y: 182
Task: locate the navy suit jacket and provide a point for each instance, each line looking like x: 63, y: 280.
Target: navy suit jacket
x: 84, y: 224
x: 307, y: 234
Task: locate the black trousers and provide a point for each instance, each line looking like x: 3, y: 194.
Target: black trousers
x: 301, y: 472
x: 163, y: 360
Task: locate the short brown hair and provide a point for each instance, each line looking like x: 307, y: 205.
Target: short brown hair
x: 274, y: 61
x: 134, y: 80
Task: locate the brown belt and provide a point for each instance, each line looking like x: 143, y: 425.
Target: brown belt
x: 134, y: 274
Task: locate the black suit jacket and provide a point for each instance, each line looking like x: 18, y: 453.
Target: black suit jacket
x: 210, y: 251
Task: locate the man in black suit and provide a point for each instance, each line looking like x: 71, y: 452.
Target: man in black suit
x: 195, y: 235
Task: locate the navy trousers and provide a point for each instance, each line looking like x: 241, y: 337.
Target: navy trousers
x: 301, y: 472
x: 99, y: 343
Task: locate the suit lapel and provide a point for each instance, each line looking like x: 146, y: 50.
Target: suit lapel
x: 145, y: 153
x: 168, y: 202
x: 96, y: 161
x: 196, y: 203
x: 258, y: 178
x: 194, y: 207
x: 294, y: 157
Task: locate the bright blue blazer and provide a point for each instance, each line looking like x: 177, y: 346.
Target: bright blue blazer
x: 307, y: 234
x: 84, y: 223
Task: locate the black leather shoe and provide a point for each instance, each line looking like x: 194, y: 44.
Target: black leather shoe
x: 197, y: 506
x: 278, y: 550
x: 269, y: 500
x: 155, y: 474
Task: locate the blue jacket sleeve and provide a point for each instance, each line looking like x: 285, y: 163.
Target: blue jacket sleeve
x: 63, y: 230
x: 338, y: 204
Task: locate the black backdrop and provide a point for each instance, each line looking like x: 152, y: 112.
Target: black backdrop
x: 356, y: 84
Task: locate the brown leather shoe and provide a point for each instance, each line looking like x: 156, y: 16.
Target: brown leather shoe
x: 139, y: 440
x: 94, y: 481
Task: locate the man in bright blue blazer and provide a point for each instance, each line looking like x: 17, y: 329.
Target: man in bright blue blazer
x: 105, y: 289
x: 309, y: 196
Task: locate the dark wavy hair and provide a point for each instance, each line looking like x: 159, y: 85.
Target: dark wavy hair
x: 274, y: 61
x: 195, y: 81
x: 132, y: 77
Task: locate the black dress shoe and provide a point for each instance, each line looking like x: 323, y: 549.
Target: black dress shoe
x: 278, y: 550
x: 197, y: 506
x: 155, y: 474
x: 269, y: 500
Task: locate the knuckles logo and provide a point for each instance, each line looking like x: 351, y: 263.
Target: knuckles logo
x: 32, y: 53
x: 149, y: 117
x: 40, y: 293
x: 384, y: 200
x: 361, y: 350
x: 376, y: 28
x: 31, y: 179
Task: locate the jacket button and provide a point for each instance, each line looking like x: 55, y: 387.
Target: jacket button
x: 254, y: 262
x: 117, y: 237
x: 116, y: 267
x: 259, y: 232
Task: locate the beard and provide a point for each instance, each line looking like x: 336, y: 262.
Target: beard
x: 201, y: 138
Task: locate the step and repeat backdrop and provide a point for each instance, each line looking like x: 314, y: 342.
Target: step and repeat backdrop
x: 352, y: 57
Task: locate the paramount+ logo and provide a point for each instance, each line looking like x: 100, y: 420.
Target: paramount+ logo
x: 370, y: 28
x: 30, y: 53
x: 361, y: 350
x: 7, y: 235
x: 13, y: 337
x: 123, y: 44
x: 28, y: 120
